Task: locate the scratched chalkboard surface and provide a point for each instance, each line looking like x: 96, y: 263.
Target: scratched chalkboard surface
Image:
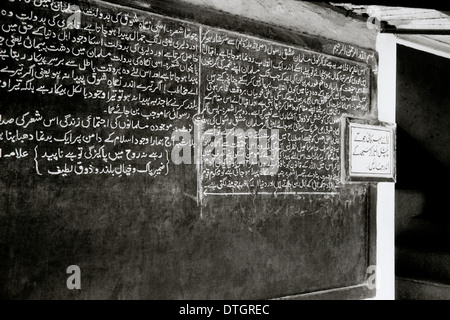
x: 171, y: 159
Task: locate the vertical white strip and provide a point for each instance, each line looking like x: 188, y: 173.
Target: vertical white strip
x: 385, y: 276
x: 387, y: 83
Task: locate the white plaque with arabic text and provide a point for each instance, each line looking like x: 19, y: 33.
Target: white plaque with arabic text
x: 371, y: 151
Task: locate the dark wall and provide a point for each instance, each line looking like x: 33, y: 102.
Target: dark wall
x: 423, y: 162
x: 423, y: 100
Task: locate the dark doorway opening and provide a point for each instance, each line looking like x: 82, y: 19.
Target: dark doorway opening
x: 423, y: 176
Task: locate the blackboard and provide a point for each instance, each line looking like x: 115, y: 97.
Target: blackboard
x: 107, y: 116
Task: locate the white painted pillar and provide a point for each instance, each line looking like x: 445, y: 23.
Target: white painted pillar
x: 385, y: 271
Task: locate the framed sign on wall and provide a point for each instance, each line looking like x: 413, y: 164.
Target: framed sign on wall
x: 368, y: 151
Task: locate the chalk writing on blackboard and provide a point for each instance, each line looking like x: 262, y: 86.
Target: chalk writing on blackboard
x: 253, y: 83
x: 108, y: 87
x: 113, y: 92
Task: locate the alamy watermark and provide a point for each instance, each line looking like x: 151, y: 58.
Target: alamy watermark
x: 374, y: 20
x: 371, y: 280
x: 74, y: 281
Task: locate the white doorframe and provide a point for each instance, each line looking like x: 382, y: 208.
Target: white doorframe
x: 387, y: 68
x: 385, y: 271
